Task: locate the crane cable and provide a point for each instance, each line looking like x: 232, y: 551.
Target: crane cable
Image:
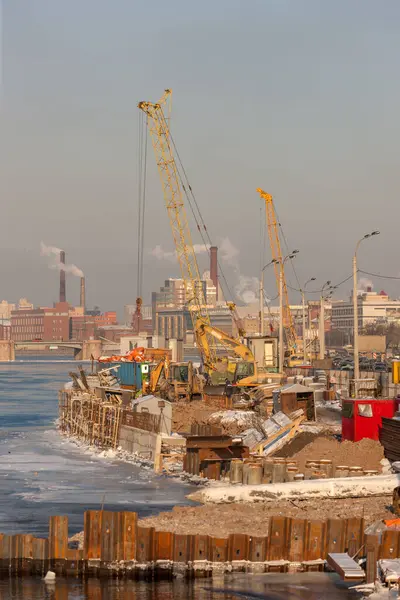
x: 199, y: 220
x: 142, y: 176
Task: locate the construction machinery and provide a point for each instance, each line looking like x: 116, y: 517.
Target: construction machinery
x: 174, y: 380
x: 172, y: 184
x: 277, y: 259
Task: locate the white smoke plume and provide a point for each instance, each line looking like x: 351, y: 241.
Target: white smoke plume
x: 228, y: 252
x: 365, y: 283
x: 247, y: 288
x: 161, y: 254
x: 55, y: 263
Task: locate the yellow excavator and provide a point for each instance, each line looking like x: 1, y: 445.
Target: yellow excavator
x: 174, y: 380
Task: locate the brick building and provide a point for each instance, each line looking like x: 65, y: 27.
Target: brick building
x: 49, y: 324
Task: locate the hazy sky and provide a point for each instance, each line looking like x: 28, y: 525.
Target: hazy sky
x: 300, y: 97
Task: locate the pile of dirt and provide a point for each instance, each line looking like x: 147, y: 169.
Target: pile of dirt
x: 366, y: 453
x: 185, y: 414
x: 253, y: 519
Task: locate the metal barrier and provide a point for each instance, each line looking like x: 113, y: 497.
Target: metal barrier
x: 114, y: 544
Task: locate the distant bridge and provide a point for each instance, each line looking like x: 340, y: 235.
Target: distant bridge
x: 29, y: 345
x: 85, y: 350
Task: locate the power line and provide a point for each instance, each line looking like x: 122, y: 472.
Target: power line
x: 379, y: 276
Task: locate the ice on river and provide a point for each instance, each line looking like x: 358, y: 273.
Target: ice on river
x: 43, y: 473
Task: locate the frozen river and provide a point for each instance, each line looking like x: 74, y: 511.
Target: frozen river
x: 42, y: 473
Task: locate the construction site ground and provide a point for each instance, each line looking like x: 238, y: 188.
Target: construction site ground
x: 253, y: 519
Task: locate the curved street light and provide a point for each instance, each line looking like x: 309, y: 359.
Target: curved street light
x: 355, y: 304
x: 303, y: 301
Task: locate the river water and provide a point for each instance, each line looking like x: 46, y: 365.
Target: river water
x: 43, y: 474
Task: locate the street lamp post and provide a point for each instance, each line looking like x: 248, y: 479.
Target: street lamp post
x: 274, y: 261
x: 281, y: 341
x: 322, y: 322
x: 355, y: 305
x: 303, y: 299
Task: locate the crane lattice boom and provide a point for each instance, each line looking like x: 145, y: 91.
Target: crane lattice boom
x: 276, y: 253
x: 170, y: 180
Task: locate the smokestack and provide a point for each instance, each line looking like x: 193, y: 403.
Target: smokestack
x: 214, y: 266
x: 83, y: 294
x: 62, y: 277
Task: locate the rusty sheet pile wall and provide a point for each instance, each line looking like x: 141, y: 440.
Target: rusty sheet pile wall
x: 115, y: 545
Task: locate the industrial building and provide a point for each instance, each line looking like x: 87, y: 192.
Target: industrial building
x: 373, y: 307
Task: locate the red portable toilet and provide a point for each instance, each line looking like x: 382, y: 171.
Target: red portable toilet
x: 362, y: 418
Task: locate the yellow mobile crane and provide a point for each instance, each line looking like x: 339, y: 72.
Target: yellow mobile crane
x: 276, y: 253
x: 163, y: 145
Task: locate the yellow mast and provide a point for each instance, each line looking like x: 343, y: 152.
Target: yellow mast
x: 163, y: 149
x: 276, y: 253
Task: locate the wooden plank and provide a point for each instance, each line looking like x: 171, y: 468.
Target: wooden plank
x: 58, y: 537
x: 345, y: 566
x: 239, y: 546
x: 127, y: 536
x: 277, y: 538
x: 92, y: 534
x: 315, y: 540
x: 297, y: 540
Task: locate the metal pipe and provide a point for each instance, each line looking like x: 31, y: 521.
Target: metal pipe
x: 355, y: 305
x: 281, y: 342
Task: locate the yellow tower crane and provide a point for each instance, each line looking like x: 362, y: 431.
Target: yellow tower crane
x: 276, y: 253
x: 170, y: 180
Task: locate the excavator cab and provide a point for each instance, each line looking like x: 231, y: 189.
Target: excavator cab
x: 243, y: 370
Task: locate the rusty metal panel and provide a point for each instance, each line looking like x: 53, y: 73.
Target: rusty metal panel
x: 16, y: 546
x: 315, y: 540
x: 145, y: 544
x: 218, y: 549
x: 74, y: 555
x: 92, y: 534
x: 181, y: 548
x: 27, y: 546
x: 372, y: 560
x: 277, y: 538
x: 58, y: 537
x: 390, y: 544
x: 5, y: 546
x: 258, y: 549
x: 109, y: 536
x: 239, y: 546
x: 335, y: 536
x: 127, y: 535
x: 297, y: 539
x: 200, y: 547
x: 40, y: 549
x: 354, y: 536
x: 164, y: 543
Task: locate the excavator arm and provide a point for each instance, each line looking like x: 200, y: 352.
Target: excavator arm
x: 203, y: 330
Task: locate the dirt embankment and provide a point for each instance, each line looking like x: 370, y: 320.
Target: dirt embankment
x: 185, y: 414
x: 366, y: 453
x: 253, y: 519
